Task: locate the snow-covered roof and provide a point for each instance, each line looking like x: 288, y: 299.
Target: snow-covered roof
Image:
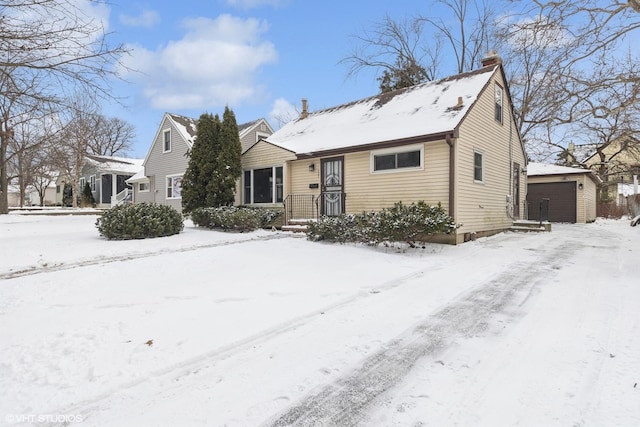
x: 422, y: 110
x: 535, y: 169
x: 138, y: 177
x: 115, y: 164
x: 186, y: 126
x: 626, y: 189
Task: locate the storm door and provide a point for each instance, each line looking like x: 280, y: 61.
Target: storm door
x: 332, y: 197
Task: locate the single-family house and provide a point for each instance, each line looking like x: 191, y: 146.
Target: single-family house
x: 453, y: 141
x: 106, y: 176
x: 561, y: 194
x: 160, y: 180
x: 615, y: 163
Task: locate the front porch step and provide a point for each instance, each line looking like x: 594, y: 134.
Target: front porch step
x: 530, y: 226
x: 297, y: 225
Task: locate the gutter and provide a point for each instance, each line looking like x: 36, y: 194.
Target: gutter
x: 452, y: 173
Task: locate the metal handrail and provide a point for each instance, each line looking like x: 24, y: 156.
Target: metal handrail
x: 299, y: 206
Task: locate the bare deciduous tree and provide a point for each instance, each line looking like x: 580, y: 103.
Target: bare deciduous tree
x: 49, y: 47
x: 113, y: 136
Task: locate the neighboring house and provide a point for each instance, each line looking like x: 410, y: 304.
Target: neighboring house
x: 452, y: 141
x: 570, y: 192
x: 107, y: 177
x: 621, y: 163
x: 32, y: 197
x: 160, y: 181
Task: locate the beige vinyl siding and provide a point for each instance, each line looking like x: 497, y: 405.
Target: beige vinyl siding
x: 589, y: 194
x: 367, y: 191
x: 159, y: 165
x: 263, y: 155
x: 482, y: 207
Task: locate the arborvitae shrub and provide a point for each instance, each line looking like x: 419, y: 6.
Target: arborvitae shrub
x: 233, y: 218
x: 400, y: 223
x: 87, y: 199
x: 139, y: 221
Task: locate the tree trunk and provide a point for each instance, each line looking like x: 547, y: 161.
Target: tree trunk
x: 4, y: 182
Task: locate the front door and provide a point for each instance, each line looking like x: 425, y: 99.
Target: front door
x: 332, y: 196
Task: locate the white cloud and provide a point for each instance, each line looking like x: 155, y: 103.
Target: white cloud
x: 146, y: 19
x: 215, y: 63
x: 282, y: 112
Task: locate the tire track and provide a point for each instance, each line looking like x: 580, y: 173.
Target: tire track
x: 33, y: 270
x: 172, y: 376
x: 346, y: 401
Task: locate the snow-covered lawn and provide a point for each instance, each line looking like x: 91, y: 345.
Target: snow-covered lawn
x: 267, y: 328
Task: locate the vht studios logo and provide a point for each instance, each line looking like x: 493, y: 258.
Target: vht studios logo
x: 43, y: 418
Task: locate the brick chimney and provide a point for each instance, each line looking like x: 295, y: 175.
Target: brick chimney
x: 305, y: 112
x: 491, y: 58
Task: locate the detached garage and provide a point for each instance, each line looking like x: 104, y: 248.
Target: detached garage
x: 571, y: 193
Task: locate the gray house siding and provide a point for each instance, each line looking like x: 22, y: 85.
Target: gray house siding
x: 160, y: 164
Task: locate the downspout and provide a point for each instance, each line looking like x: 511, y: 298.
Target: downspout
x: 452, y: 175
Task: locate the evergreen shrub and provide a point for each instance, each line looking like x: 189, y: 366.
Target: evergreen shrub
x: 139, y: 221
x: 400, y: 223
x: 233, y: 218
x: 87, y: 199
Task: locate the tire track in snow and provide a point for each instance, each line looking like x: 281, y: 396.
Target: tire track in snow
x: 171, y: 376
x: 32, y: 270
x: 346, y: 401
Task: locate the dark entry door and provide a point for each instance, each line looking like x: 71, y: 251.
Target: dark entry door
x: 332, y: 186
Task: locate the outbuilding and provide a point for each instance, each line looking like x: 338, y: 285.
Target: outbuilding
x: 560, y: 193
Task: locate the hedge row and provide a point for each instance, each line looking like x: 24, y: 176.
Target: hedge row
x: 400, y: 223
x: 233, y: 218
x: 139, y: 221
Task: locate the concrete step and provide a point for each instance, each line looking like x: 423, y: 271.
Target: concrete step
x: 530, y: 226
x: 295, y: 228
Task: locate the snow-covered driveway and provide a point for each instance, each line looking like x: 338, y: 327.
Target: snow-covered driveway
x: 269, y: 329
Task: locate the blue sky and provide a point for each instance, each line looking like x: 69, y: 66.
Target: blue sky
x: 260, y: 57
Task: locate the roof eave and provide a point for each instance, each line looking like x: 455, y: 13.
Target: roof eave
x: 376, y: 145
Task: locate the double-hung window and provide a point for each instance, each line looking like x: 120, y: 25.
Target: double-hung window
x: 174, y: 187
x: 498, y: 103
x: 264, y: 185
x: 397, y: 159
x: 478, y: 166
x: 92, y: 182
x: 166, y: 141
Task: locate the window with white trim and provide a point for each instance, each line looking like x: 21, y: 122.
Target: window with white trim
x: 92, y: 182
x: 478, y: 166
x: 143, y: 187
x: 81, y: 183
x: 498, y: 102
x: 174, y: 187
x: 166, y: 141
x: 264, y: 185
x: 398, y: 159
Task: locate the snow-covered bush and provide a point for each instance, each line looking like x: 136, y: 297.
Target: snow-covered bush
x: 400, y: 223
x: 139, y: 221
x: 234, y: 218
